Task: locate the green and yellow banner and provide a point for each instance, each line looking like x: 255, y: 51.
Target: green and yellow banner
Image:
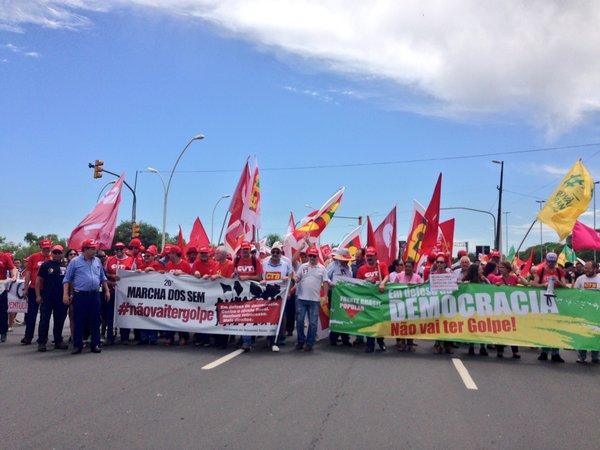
x: 479, y: 313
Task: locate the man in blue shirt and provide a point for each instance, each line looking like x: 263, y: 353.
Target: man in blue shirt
x: 81, y: 285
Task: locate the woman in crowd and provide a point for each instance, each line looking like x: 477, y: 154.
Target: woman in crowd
x: 476, y: 275
x: 508, y: 278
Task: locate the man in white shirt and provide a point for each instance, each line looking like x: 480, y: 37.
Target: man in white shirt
x: 311, y: 276
x: 589, y: 280
x: 461, y: 271
x: 275, y: 268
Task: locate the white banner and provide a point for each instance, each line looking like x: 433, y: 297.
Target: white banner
x: 157, y: 301
x: 17, y: 297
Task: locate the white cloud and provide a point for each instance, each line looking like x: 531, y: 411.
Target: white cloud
x: 536, y: 60
x: 32, y: 54
x: 552, y: 170
x: 20, y: 51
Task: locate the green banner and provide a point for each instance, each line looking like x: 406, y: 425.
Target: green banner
x: 480, y: 313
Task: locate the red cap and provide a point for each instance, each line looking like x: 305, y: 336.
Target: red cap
x: 205, y: 249
x: 136, y: 243
x: 142, y: 249
x: 119, y: 245
x: 46, y: 243
x: 58, y: 248
x: 89, y: 243
x: 313, y: 251
x: 191, y: 249
x: 152, y: 250
x: 462, y: 253
x: 431, y: 257
x: 495, y: 254
x: 246, y: 244
x: 440, y: 255
x: 370, y: 251
x: 174, y: 249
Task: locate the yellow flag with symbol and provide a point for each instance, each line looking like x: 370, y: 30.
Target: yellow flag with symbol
x: 570, y: 199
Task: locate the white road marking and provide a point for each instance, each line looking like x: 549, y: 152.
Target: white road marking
x: 223, y: 359
x: 464, y: 374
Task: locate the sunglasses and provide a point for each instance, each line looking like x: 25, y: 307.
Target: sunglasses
x: 312, y: 256
x: 441, y: 262
x: 56, y: 252
x: 275, y: 252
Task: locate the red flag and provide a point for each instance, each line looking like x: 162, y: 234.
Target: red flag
x: 584, y: 237
x: 432, y: 216
x: 236, y: 229
x: 445, y: 241
x: 414, y: 239
x: 180, y: 241
x: 100, y: 224
x: 325, y: 251
x: 251, y: 211
x: 291, y: 224
x: 198, y: 237
x: 385, y: 237
x: 370, y: 233
x: 527, y: 266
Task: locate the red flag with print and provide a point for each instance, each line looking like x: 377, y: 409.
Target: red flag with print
x: 370, y: 233
x: 236, y: 229
x: 386, y: 241
x: 445, y: 242
x: 432, y: 216
x: 101, y: 223
x: 352, y: 241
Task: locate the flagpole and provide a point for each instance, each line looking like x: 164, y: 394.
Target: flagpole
x: 223, y: 227
x: 525, y: 237
x: 594, y: 195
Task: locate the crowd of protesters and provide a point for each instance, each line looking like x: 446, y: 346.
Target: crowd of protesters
x: 81, y: 285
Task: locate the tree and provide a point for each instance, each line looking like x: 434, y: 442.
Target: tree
x: 149, y: 234
x: 31, y: 238
x: 272, y: 238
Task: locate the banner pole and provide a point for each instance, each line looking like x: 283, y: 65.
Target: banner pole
x: 525, y: 237
x: 287, y: 290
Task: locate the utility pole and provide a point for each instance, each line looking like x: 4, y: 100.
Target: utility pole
x: 497, y: 241
x: 541, y: 202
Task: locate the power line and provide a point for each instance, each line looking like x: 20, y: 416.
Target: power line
x: 404, y: 161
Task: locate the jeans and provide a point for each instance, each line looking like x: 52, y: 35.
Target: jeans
x: 4, y: 312
x: 149, y: 336
x: 52, y: 306
x: 371, y: 343
x: 86, y: 311
x: 107, y: 311
x: 553, y: 351
x: 583, y: 354
x: 304, y: 307
x: 31, y: 316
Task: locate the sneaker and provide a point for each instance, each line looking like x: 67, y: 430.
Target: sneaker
x: 274, y: 348
x: 581, y: 361
x: 543, y: 356
x: 61, y: 346
x: 2, y: 337
x: 96, y: 349
x: 382, y: 347
x: 246, y: 347
x: 41, y: 347
x: 299, y: 347
x: 557, y: 359
x: 308, y: 348
x: 76, y: 351
x: 25, y: 341
x: 516, y: 356
x: 10, y: 329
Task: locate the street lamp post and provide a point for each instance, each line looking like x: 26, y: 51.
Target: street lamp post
x: 212, y: 216
x: 464, y: 208
x: 167, y: 186
x: 358, y: 218
x: 541, y: 202
x: 497, y: 241
x: 506, y: 213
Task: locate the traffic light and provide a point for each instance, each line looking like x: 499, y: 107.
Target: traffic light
x: 135, y: 230
x: 98, y: 168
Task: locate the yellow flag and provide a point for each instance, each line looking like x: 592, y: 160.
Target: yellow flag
x: 570, y: 199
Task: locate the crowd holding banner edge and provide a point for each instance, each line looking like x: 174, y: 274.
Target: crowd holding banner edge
x: 80, y: 283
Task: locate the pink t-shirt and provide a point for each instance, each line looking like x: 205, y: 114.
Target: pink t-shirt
x: 402, y: 278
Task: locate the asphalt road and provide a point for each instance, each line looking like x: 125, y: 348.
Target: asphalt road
x: 342, y: 398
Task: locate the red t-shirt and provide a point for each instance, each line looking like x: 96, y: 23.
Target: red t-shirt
x: 372, y: 273
x: 113, y: 263
x: 548, y: 272
x: 6, y: 263
x: 33, y: 266
x: 209, y: 267
x: 245, y: 267
x: 512, y: 280
x: 137, y: 263
x: 155, y: 265
x: 225, y: 269
x: 182, y: 265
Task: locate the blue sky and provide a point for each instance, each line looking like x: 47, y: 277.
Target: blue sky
x: 131, y: 82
